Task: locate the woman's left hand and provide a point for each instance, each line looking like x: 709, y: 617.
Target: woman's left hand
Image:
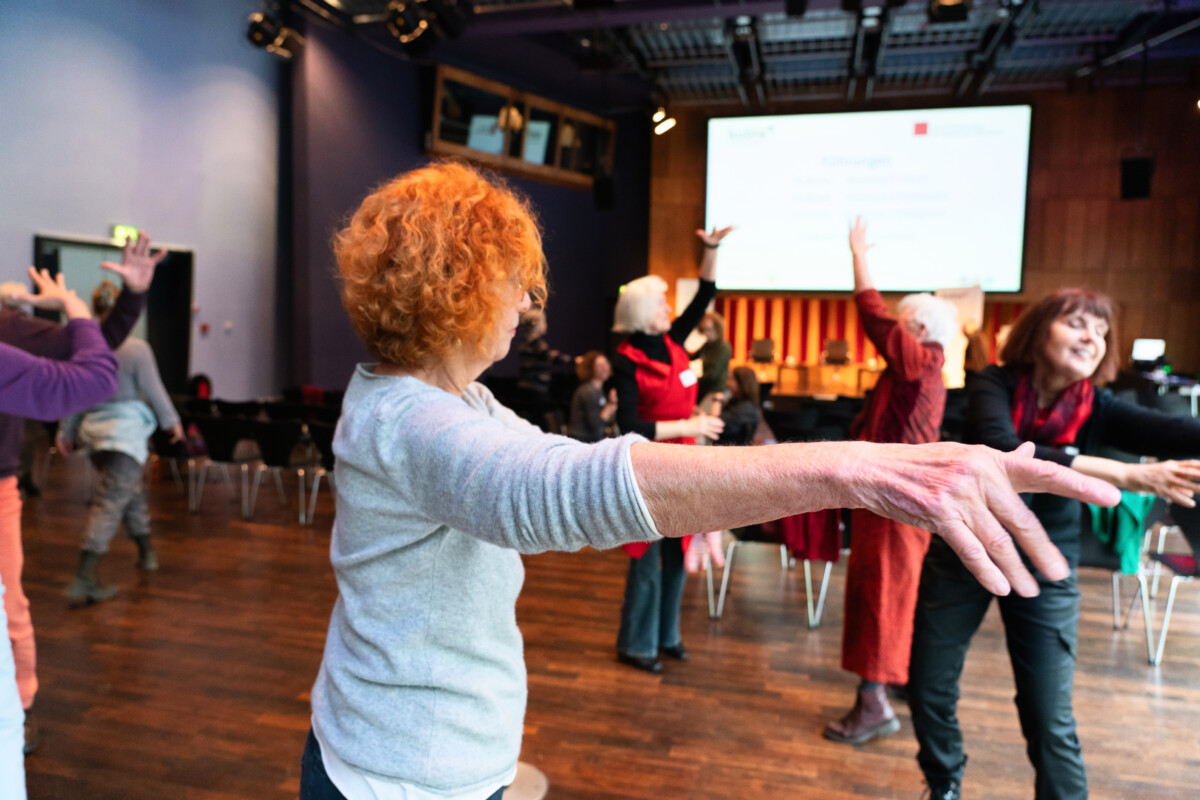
x: 1177, y: 481
x: 713, y: 238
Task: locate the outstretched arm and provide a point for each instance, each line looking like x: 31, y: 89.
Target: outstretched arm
x: 967, y: 495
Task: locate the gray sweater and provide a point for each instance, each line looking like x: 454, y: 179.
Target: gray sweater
x: 423, y: 678
x: 125, y: 422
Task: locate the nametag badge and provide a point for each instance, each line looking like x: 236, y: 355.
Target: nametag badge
x: 687, y: 378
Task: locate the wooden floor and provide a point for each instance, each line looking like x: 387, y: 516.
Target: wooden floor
x: 193, y: 682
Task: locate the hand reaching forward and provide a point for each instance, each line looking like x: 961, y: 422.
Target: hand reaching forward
x: 53, y: 295
x: 1177, y: 481
x: 137, y: 263
x: 968, y: 496
x: 713, y: 238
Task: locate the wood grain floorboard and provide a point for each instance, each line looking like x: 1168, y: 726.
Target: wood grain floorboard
x: 193, y: 683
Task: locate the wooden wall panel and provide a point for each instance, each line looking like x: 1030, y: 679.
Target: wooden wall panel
x: 1146, y: 253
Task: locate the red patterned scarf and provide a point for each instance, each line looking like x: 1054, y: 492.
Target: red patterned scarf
x: 1060, y: 423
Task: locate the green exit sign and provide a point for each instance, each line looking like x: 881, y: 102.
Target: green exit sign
x: 122, y: 232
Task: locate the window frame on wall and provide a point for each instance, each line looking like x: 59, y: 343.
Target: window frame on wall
x: 523, y: 102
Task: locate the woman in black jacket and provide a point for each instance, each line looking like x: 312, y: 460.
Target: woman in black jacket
x: 1059, y: 353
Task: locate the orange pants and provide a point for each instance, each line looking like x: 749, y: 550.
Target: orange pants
x: 16, y: 606
x: 882, y: 577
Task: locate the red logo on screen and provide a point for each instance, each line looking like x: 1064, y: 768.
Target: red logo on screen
x: 921, y: 128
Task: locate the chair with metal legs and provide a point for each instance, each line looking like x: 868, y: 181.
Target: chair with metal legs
x: 322, y: 438
x: 221, y: 437
x: 277, y: 439
x: 767, y: 534
x: 1186, y: 568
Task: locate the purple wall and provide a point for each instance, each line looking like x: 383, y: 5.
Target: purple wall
x: 360, y: 118
x: 159, y: 115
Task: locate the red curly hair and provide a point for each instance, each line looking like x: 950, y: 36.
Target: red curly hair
x: 430, y: 259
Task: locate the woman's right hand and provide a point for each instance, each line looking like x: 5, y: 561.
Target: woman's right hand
x: 969, y: 497
x: 53, y: 295
x: 708, y: 426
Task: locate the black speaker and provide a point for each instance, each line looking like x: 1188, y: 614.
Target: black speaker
x: 1135, y: 177
x: 602, y: 192
x: 795, y: 8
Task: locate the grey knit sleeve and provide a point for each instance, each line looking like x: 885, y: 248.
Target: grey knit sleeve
x: 506, y: 483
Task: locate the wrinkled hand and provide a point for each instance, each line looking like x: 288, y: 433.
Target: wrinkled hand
x: 714, y: 237
x: 1177, y: 481
x: 708, y: 426
x: 53, y: 295
x: 858, y: 239
x: 137, y: 263
x: 177, y: 434
x: 968, y: 496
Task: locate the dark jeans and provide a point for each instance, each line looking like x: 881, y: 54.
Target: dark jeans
x: 1041, y: 633
x: 315, y: 784
x: 653, y: 593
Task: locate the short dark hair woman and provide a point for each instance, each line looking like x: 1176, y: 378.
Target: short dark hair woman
x: 1058, y: 355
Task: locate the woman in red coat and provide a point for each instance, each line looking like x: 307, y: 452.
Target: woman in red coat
x: 884, y: 569
x: 656, y: 397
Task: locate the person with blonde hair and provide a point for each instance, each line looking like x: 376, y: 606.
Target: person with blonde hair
x: 657, y: 392
x: 421, y: 690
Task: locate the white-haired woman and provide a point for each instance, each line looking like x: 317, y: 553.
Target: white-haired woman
x: 656, y: 398
x: 884, y: 570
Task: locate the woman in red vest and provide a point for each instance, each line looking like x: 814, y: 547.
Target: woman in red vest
x: 656, y: 397
x: 885, y: 557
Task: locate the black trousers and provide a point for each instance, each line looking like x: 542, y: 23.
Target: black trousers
x: 1041, y: 633
x: 315, y: 783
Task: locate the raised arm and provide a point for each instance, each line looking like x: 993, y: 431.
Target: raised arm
x: 904, y: 353
x: 48, y: 389
x: 136, y: 269
x: 858, y: 253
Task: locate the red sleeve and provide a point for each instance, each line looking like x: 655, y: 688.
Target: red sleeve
x: 908, y: 357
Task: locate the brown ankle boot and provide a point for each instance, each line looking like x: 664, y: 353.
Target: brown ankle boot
x: 871, y: 716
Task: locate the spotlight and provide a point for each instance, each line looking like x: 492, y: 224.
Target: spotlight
x: 263, y: 29
x: 266, y: 31
x: 405, y: 22
x: 664, y: 126
x: 949, y: 10
x: 659, y: 115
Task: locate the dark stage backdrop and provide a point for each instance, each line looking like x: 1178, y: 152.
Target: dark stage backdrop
x: 358, y: 118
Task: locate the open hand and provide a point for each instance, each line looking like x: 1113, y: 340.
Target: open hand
x: 969, y: 496
x: 53, y: 295
x: 858, y: 239
x: 713, y: 238
x: 137, y: 263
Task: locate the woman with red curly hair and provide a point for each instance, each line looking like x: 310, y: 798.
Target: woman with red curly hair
x: 421, y: 691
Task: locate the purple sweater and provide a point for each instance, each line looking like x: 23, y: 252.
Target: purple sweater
x: 86, y: 374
